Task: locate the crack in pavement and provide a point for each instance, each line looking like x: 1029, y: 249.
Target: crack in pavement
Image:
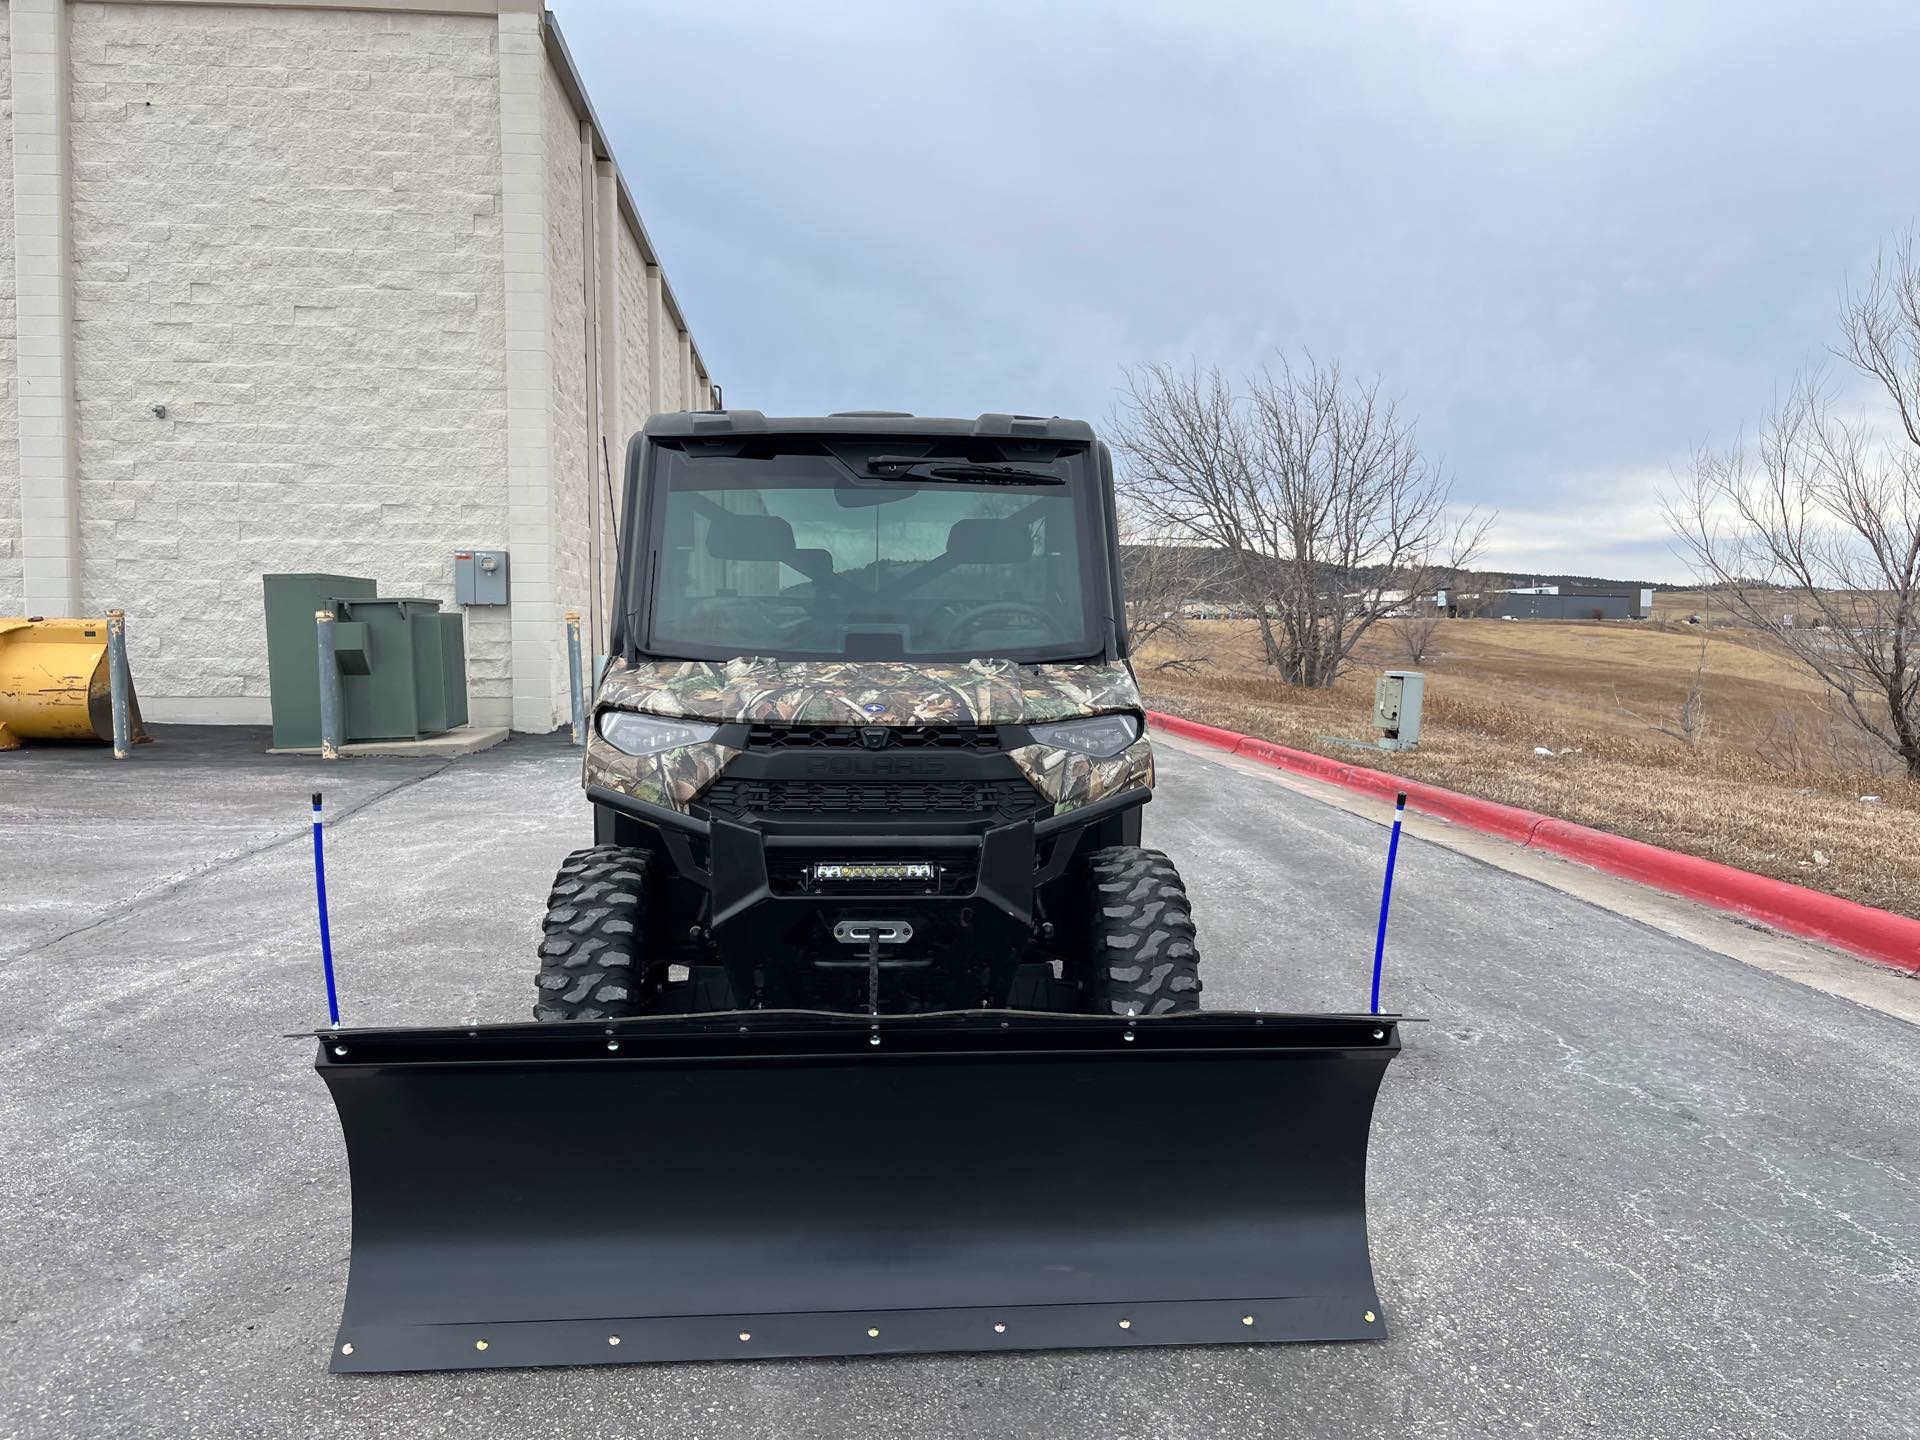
x: 171, y: 885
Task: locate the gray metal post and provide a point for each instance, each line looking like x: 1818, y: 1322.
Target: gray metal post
x: 117, y: 681
x: 574, y: 678
x: 330, y: 731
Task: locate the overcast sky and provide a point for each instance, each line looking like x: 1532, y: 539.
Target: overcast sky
x: 1575, y: 239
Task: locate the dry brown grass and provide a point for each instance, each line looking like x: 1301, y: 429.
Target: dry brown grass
x: 1678, y: 605
x: 1497, y: 691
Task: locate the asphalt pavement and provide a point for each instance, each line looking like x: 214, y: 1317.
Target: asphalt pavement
x: 1622, y: 1185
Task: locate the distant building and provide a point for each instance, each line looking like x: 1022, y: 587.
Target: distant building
x: 1554, y: 602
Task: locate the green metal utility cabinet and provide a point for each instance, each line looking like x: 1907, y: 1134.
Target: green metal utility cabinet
x: 293, y: 650
x: 414, y: 679
x: 402, y: 663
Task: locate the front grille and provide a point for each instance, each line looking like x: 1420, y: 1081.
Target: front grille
x: 855, y: 737
x: 972, y: 799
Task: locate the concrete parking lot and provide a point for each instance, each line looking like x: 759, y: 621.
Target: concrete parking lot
x: 1621, y: 1184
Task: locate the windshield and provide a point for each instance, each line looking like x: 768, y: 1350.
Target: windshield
x: 809, y: 556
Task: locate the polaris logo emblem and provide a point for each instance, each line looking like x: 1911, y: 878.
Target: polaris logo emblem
x: 874, y: 708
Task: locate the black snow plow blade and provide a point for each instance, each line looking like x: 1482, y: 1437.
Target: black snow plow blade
x: 777, y: 1184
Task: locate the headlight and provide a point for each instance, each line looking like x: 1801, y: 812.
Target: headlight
x: 634, y: 734
x: 1101, y: 736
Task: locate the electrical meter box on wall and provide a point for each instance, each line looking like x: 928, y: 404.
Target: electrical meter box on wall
x: 479, y: 577
x: 1396, y: 708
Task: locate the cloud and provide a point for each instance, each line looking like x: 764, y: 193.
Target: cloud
x: 1576, y: 240
x: 1620, y: 534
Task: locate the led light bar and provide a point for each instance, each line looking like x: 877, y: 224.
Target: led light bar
x: 874, y: 870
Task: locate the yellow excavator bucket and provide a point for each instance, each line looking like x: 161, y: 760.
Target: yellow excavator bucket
x: 54, y: 682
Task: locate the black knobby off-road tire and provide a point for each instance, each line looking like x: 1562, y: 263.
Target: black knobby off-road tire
x: 1140, y: 941
x: 593, y: 959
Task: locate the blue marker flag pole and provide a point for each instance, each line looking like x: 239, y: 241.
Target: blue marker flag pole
x: 326, y: 934
x: 1386, y: 898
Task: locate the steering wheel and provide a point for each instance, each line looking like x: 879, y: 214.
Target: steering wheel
x: 968, y: 620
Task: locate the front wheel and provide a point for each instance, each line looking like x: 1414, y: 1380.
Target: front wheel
x: 593, y: 951
x: 1142, y: 956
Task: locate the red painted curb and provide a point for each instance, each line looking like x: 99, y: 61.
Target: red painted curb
x: 1877, y: 934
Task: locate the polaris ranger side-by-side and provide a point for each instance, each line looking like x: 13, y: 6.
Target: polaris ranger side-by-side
x: 867, y: 1026
x: 869, y: 734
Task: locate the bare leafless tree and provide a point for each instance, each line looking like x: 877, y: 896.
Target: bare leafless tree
x: 1418, y: 623
x: 1688, y: 722
x: 1312, y: 488
x: 1826, y: 507
x: 1162, y: 580
x: 1416, y: 628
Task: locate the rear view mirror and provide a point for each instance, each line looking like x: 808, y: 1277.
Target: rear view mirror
x: 989, y: 542
x: 749, y: 537
x: 861, y: 497
x: 814, y: 564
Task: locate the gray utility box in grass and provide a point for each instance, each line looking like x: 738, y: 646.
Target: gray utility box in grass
x: 401, y: 663
x: 1396, y: 708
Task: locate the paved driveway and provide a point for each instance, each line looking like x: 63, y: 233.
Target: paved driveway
x: 1621, y: 1185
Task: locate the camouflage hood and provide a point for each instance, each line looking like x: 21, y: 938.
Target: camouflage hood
x: 839, y: 692
x: 843, y: 692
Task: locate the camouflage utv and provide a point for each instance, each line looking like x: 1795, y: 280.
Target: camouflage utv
x: 869, y: 738
x: 867, y: 1027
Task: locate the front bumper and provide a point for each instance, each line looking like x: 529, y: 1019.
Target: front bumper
x: 980, y: 911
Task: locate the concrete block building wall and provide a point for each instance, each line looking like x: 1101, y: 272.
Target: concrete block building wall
x: 673, y: 386
x: 634, y: 406
x: 568, y: 249
x: 9, y: 415
x: 287, y: 236
x: 329, y: 286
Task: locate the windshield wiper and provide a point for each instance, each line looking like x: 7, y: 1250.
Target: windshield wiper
x: 905, y: 467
